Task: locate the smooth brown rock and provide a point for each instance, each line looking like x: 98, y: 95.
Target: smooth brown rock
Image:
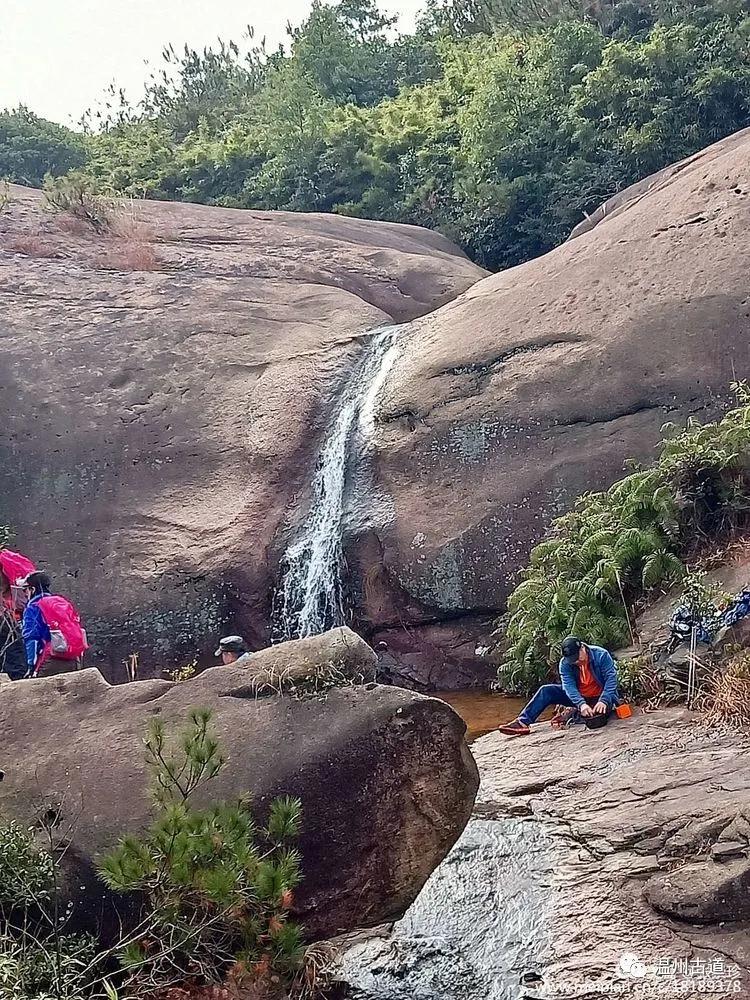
x: 159, y: 425
x: 385, y: 777
x: 653, y: 183
x: 538, y: 383
x: 339, y: 656
x: 703, y: 894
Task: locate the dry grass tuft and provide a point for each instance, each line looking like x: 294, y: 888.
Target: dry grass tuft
x: 727, y: 700
x: 32, y: 246
x: 130, y: 257
x: 72, y: 225
x: 126, y: 225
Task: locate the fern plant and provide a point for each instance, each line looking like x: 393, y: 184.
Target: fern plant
x: 218, y: 886
x: 600, y: 559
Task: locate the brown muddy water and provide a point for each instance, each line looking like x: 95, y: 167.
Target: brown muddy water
x: 482, y: 711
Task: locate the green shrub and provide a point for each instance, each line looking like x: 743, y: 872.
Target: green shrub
x: 38, y: 959
x: 42, y: 969
x: 641, y: 678
x: 599, y: 560
x: 75, y: 194
x: 700, y: 596
x: 26, y: 871
x: 218, y: 887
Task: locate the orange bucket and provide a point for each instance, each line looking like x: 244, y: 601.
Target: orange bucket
x: 623, y: 711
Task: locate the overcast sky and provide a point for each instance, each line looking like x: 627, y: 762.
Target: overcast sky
x: 58, y: 56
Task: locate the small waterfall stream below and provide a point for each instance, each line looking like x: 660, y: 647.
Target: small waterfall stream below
x: 311, y: 596
x: 479, y: 926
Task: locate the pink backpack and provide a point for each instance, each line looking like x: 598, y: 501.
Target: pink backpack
x: 15, y: 567
x: 69, y: 640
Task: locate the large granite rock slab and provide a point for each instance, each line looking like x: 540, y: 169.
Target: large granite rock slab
x: 386, y: 780
x: 164, y: 391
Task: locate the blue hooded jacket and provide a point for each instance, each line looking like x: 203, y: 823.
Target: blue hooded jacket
x: 602, y: 667
x: 35, y: 631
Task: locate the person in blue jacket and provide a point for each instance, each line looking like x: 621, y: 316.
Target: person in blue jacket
x: 34, y: 629
x: 589, y: 686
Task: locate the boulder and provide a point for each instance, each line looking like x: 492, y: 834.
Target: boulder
x: 704, y: 893
x: 538, y: 383
x: 338, y: 657
x: 165, y: 386
x: 385, y: 777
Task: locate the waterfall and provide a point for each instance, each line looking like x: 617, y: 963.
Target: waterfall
x: 311, y: 596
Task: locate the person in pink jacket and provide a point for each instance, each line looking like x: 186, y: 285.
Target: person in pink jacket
x: 13, y: 568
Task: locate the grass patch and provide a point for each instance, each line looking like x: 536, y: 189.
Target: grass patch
x: 727, y: 698
x: 131, y: 257
x: 32, y: 246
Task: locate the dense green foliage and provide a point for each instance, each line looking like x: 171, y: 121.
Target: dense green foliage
x: 499, y: 122
x: 218, y: 888
x: 39, y: 958
x: 613, y: 547
x: 31, y: 147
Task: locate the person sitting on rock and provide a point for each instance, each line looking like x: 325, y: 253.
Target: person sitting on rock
x: 52, y: 632
x: 231, y: 649
x: 589, y: 687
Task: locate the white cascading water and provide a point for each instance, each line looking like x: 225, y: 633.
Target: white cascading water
x: 311, y: 597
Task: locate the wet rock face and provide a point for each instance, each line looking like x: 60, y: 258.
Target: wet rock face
x: 538, y: 383
x: 650, y: 824
x: 477, y: 930
x: 161, y: 419
x: 435, y: 657
x: 385, y: 777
